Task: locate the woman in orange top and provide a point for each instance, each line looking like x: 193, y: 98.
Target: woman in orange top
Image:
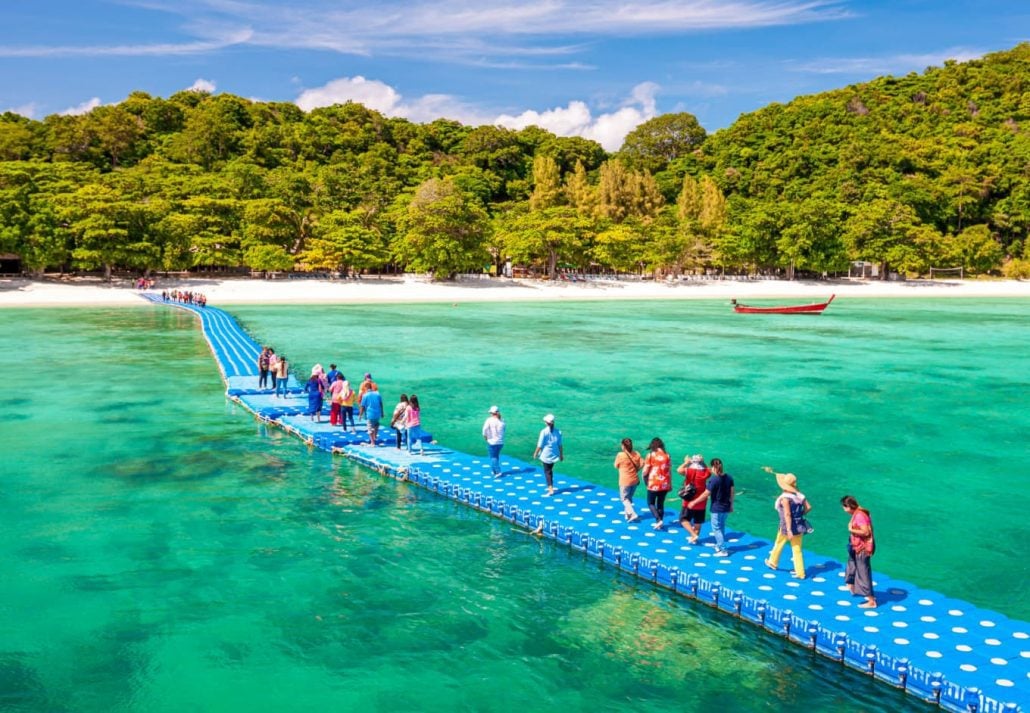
x: 658, y: 476
x: 628, y: 462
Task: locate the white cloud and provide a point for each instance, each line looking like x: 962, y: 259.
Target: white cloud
x: 370, y: 92
x: 452, y: 30
x: 163, y: 49
x: 27, y: 110
x: 202, y: 85
x: 329, y: 23
x: 576, y: 119
x: 890, y: 64
x: 387, y: 100
x: 83, y: 108
x: 608, y: 129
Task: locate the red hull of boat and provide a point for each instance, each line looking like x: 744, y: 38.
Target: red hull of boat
x: 795, y: 309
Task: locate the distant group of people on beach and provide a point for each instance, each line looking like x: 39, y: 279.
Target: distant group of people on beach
x: 184, y: 296
x: 145, y: 283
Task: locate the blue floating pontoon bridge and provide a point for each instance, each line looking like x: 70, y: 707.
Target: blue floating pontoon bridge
x: 942, y: 650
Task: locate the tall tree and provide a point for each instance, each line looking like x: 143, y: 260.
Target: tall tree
x: 880, y: 231
x: 810, y: 237
x: 976, y: 249
x: 546, y: 184
x: 579, y: 193
x: 346, y: 239
x: 656, y: 142
x: 443, y: 231
x: 623, y: 193
x: 546, y: 237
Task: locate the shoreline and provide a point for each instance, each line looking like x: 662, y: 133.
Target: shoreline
x: 93, y: 292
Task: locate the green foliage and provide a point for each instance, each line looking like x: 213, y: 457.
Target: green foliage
x: 545, y: 238
x: 346, y: 239
x: 976, y: 249
x: 267, y: 258
x: 925, y: 170
x: 546, y: 184
x: 623, y: 193
x: 656, y: 142
x: 950, y: 146
x: 443, y: 231
x: 1016, y: 269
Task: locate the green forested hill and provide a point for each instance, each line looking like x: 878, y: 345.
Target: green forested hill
x: 912, y: 163
x: 914, y: 172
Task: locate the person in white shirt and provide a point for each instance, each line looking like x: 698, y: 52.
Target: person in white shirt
x: 493, y: 434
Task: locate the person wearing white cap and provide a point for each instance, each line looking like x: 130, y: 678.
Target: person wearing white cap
x: 550, y: 450
x: 493, y: 434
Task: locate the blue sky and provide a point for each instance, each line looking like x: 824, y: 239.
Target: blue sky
x: 590, y: 68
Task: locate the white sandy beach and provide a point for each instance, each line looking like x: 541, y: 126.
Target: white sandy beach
x: 92, y: 292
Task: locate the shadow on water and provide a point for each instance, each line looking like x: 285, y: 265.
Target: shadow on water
x: 21, y: 687
x: 201, y: 464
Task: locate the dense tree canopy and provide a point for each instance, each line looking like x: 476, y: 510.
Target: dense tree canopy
x: 926, y: 170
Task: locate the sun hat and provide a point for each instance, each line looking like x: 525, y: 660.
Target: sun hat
x: 494, y: 409
x: 787, y: 482
x: 549, y: 418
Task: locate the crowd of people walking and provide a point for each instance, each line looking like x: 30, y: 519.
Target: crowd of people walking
x: 333, y: 386
x: 188, y: 297
x: 707, y: 491
x: 709, y: 485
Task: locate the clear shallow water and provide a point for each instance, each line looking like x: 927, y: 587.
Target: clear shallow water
x: 162, y: 551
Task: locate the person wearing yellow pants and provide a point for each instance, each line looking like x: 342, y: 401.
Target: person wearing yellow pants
x: 792, y: 507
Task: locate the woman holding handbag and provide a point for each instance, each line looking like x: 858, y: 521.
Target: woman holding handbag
x: 399, y: 420
x: 695, y: 474
x: 792, y: 507
x: 861, y: 546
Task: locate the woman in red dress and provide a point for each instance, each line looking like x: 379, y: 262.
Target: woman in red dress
x: 658, y: 476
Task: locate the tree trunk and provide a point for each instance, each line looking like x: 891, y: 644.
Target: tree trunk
x: 552, y: 264
x: 107, y: 272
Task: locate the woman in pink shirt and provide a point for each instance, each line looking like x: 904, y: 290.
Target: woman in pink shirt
x: 413, y: 423
x: 335, y: 402
x: 861, y: 546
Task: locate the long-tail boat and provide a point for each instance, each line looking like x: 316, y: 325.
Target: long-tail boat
x: 816, y: 308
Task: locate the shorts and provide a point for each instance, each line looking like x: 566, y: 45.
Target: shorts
x: 694, y: 517
x: 372, y: 423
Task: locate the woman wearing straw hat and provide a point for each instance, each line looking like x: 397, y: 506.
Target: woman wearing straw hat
x: 792, y: 507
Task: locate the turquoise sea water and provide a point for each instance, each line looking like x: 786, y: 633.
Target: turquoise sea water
x: 162, y: 551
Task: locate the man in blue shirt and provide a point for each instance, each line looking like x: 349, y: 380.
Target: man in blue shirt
x: 549, y: 448
x: 331, y: 376
x: 371, y: 408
